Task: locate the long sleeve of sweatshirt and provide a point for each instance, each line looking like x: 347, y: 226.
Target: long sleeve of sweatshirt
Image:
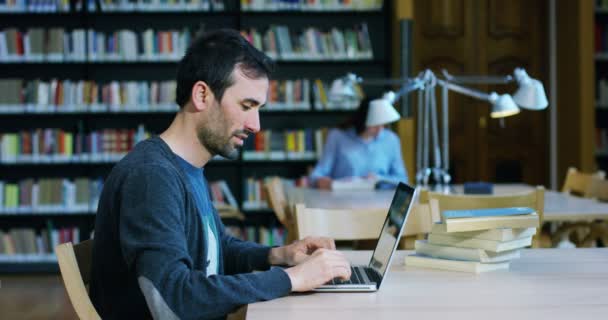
x: 155, y: 240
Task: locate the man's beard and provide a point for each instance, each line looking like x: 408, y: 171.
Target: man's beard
x: 216, y: 143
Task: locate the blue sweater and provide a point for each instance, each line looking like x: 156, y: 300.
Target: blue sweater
x: 345, y: 154
x: 149, y: 255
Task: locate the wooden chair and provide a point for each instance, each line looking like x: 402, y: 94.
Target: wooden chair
x: 534, y: 199
x: 75, y: 265
x: 358, y: 224
x: 597, y: 230
x: 599, y: 190
x: 586, y: 185
x: 278, y: 203
x: 579, y: 183
x: 339, y: 224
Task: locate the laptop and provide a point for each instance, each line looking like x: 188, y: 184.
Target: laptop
x: 369, y: 278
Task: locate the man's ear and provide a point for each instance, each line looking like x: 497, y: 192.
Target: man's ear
x: 201, y: 96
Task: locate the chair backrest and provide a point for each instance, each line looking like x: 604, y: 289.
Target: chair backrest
x: 75, y: 265
x: 599, y: 189
x: 279, y: 204
x: 579, y: 183
x: 359, y: 224
x: 339, y: 224
x: 534, y: 199
x: 277, y: 199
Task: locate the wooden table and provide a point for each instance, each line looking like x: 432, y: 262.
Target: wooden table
x: 542, y: 284
x: 558, y: 206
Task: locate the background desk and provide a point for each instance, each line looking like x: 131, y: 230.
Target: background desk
x: 543, y: 284
x: 558, y: 206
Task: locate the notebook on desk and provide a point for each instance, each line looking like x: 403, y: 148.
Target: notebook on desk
x: 370, y: 277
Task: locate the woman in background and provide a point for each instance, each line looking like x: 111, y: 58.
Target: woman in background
x: 362, y: 148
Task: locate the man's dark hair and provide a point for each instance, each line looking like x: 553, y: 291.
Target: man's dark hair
x: 357, y: 120
x: 212, y: 56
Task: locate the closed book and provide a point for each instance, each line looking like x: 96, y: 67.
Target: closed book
x: 486, y: 212
x: 490, y: 245
x: 425, y: 248
x: 500, y: 234
x: 485, y: 223
x: 453, y: 265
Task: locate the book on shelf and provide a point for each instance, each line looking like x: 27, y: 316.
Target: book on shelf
x: 35, y: 45
x: 149, y: 45
x: 423, y: 247
x: 489, y: 245
x: 255, y: 197
x: 485, y: 223
x: 288, y: 95
x: 311, y: 5
x: 498, y: 234
x: 67, y: 96
x: 453, y: 265
x: 313, y: 44
x: 277, y: 145
x: 46, y: 6
x: 50, y: 195
x: 157, y: 6
x: 57, y: 146
x: 60, y: 45
x: 267, y: 236
x: 31, y: 245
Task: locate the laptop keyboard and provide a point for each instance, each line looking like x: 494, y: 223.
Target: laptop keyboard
x: 372, y: 275
x: 355, y: 278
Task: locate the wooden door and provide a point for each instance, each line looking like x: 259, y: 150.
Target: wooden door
x: 479, y: 37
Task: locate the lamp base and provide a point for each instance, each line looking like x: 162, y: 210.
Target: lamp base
x: 434, y: 179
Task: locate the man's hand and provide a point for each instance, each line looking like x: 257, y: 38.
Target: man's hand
x: 322, y: 266
x: 299, y: 251
x: 324, y: 183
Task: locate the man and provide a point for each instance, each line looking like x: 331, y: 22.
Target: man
x: 160, y: 248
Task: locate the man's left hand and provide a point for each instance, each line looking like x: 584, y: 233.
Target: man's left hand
x: 299, y: 251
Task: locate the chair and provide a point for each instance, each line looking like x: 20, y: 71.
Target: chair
x: 534, y: 199
x: 597, y: 230
x: 357, y: 224
x: 278, y: 203
x: 579, y: 183
x: 75, y: 265
x: 585, y: 185
x: 599, y: 189
x: 339, y: 224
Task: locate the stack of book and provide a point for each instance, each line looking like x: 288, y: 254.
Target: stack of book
x: 476, y: 240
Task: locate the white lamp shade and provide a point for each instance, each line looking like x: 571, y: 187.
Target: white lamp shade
x: 531, y: 95
x: 381, y: 112
x: 502, y: 106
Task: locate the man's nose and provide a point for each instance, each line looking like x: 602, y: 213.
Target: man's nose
x: 252, y: 121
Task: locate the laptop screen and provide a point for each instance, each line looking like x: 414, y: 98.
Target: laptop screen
x: 393, y: 226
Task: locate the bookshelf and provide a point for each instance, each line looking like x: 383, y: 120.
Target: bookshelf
x: 601, y: 74
x: 87, y: 107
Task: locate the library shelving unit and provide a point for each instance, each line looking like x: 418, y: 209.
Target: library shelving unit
x: 82, y: 82
x: 601, y: 74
